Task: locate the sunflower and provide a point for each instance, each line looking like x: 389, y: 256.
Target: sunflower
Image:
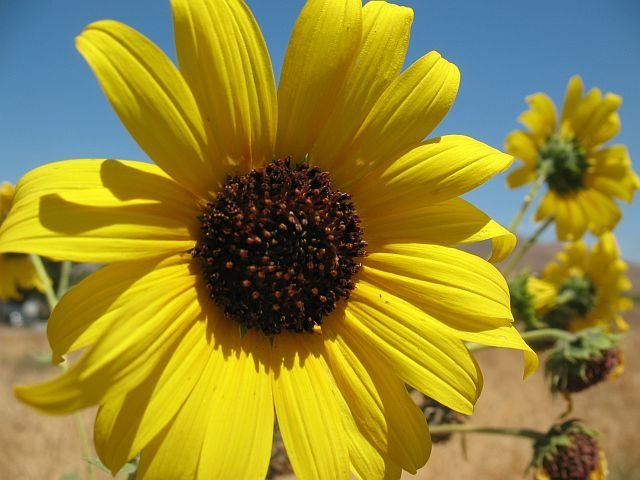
x: 582, y: 176
x: 289, y: 254
x: 16, y: 270
x: 569, y: 451
x: 589, y: 287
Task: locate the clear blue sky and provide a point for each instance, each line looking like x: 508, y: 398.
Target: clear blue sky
x: 51, y: 107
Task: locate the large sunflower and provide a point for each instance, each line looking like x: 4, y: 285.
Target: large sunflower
x: 291, y: 251
x: 589, y: 287
x: 16, y: 270
x: 583, y: 177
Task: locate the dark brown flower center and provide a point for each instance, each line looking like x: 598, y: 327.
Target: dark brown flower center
x: 279, y: 247
x: 576, y: 461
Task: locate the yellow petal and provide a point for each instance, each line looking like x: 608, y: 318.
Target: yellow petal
x: 183, y: 438
x: 307, y: 410
x: 149, y: 327
x: 153, y: 102
x: 366, y: 462
x: 453, y: 286
x: 100, y: 211
x: 378, y: 400
x: 603, y: 212
x: 613, y: 174
x: 239, y: 435
x: 126, y: 425
x: 547, y: 207
x: 385, y: 38
x: 584, y: 111
x: 504, y: 337
x: 17, y: 273
x: 591, y: 131
x: 521, y: 145
x: 437, y: 170
x: 408, y: 110
x: 572, y: 99
x: 520, y: 176
x: 571, y: 219
x: 541, y: 118
x: 323, y: 47
x: 96, y: 304
x: 450, y: 222
x: 432, y: 361
x: 225, y: 61
x: 608, y: 128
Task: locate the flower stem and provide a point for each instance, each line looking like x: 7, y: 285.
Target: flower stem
x: 513, y: 432
x: 52, y: 300
x: 530, y: 197
x: 63, y: 281
x: 532, y: 336
x: 515, y: 259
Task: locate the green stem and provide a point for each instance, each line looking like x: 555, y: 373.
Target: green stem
x: 513, y: 432
x: 532, y: 336
x: 529, y: 197
x: 63, y: 281
x: 515, y: 259
x: 52, y: 300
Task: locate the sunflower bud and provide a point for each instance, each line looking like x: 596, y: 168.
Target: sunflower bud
x: 592, y: 357
x: 569, y: 451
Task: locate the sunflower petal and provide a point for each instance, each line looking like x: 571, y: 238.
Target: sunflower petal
x: 225, y: 61
x: 307, y: 409
x: 520, y: 176
x: 408, y: 110
x: 521, y: 145
x: 239, y: 434
x: 378, y: 401
x: 541, y: 118
x: 99, y: 211
x: 329, y: 32
x: 366, y: 461
x: 156, y: 320
x: 385, y: 39
x: 432, y: 361
x: 450, y: 222
x: 437, y: 170
x: 125, y: 426
x: 152, y: 100
x: 572, y: 99
x: 456, y: 287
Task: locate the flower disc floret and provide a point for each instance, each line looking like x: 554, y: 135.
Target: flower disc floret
x: 279, y: 247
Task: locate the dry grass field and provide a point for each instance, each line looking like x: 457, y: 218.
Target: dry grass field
x: 39, y: 447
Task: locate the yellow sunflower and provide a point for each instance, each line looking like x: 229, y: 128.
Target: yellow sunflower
x: 582, y: 176
x: 589, y: 287
x: 289, y: 255
x: 16, y: 270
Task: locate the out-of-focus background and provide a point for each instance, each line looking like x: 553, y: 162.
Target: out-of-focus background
x: 51, y: 108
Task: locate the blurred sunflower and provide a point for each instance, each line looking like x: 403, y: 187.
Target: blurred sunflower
x: 582, y: 176
x: 569, y: 451
x: 589, y: 287
x: 290, y: 250
x: 16, y: 270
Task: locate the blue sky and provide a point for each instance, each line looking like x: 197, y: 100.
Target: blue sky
x: 51, y: 107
